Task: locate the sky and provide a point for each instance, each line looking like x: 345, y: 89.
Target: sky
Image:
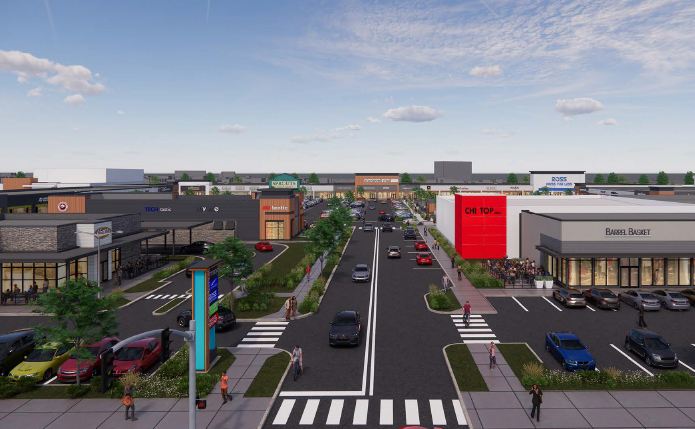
x: 511, y: 85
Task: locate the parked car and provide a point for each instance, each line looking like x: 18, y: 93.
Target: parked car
x: 368, y: 227
x: 569, y: 297
x: 325, y: 213
x: 423, y: 259
x: 387, y: 226
x: 137, y: 356
x: 671, y: 299
x: 569, y: 351
x: 196, y: 247
x: 689, y: 294
x: 345, y: 329
x: 225, y: 318
x: 602, y: 298
x: 189, y: 273
x: 382, y: 211
x: 421, y: 245
x: 264, y: 246
x: 393, y: 252
x: 651, y: 347
x: 387, y: 218
x: 410, y: 233
x: 14, y: 346
x: 89, y: 368
x: 42, y: 363
x: 361, y: 273
x: 635, y: 298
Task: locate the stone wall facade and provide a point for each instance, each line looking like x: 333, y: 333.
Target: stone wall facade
x: 29, y: 239
x: 130, y: 253
x: 201, y: 233
x: 129, y: 224
x: 67, y: 239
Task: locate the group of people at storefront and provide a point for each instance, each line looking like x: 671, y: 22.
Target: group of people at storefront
x: 513, y: 271
x: 16, y: 294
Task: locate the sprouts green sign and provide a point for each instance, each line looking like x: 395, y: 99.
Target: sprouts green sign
x: 285, y: 181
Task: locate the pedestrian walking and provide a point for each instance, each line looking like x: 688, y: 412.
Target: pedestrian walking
x: 425, y: 230
x: 537, y: 400
x: 445, y: 283
x: 119, y: 275
x: 458, y: 271
x: 128, y: 401
x: 493, y: 358
x: 223, y: 387
x: 308, y: 273
x: 288, y: 308
x: 641, y: 322
x: 453, y: 262
x: 294, y: 304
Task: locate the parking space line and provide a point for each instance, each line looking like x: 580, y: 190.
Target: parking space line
x: 520, y: 305
x: 478, y: 335
x: 51, y: 380
x: 475, y: 330
x: 473, y: 316
x: 589, y: 307
x: 681, y: 362
x: 556, y: 307
x: 631, y: 359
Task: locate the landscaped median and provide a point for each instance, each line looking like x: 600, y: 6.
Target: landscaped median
x: 157, y: 278
x: 269, y: 377
x: 468, y: 377
x: 529, y: 370
x: 440, y: 301
x: 168, y: 306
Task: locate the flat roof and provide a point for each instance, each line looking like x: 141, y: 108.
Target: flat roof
x: 67, y: 191
x: 40, y: 217
x: 556, y: 172
x: 377, y: 174
x: 35, y: 223
x: 583, y: 217
x: 165, y: 225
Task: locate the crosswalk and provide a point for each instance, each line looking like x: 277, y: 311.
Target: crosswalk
x: 478, y: 332
x: 263, y: 335
x: 169, y: 297
x: 356, y: 412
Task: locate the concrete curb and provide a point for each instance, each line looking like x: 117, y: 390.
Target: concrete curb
x: 277, y: 390
x: 154, y: 313
x: 440, y: 312
x: 458, y: 391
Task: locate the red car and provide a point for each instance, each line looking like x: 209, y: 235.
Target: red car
x: 382, y: 211
x: 264, y: 246
x: 88, y: 367
x: 421, y: 245
x: 424, y: 259
x: 137, y: 356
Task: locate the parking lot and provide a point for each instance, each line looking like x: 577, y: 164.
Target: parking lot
x: 604, y: 331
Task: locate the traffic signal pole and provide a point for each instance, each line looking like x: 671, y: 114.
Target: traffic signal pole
x: 191, y: 375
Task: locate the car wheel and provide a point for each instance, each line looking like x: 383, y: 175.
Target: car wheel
x: 95, y: 372
x: 635, y: 305
x: 182, y: 322
x: 48, y: 374
x: 663, y: 304
x: 648, y: 360
x: 628, y: 347
x: 3, y: 371
x: 564, y: 365
x: 142, y: 370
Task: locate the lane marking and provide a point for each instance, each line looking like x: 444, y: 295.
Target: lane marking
x: 437, y: 411
x: 321, y: 393
x: 681, y: 362
x: 257, y: 346
x: 476, y: 325
x: 272, y: 323
x: 312, y: 405
x: 165, y: 296
x: 631, y: 359
x: 386, y: 412
x: 480, y: 341
x: 284, y: 412
x: 473, y: 316
x: 520, y: 305
x: 267, y: 334
x: 260, y: 339
x: 475, y: 330
x: 376, y: 295
x: 589, y: 307
x: 335, y: 412
x: 151, y: 296
x: 556, y: 307
x: 478, y: 336
x: 157, y: 297
x: 412, y: 413
x: 267, y: 329
x: 360, y: 416
x: 460, y: 416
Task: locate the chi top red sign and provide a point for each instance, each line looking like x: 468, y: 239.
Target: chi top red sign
x: 481, y: 226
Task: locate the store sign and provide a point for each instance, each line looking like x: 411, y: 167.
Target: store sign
x: 290, y: 184
x: 62, y: 206
x: 480, y: 229
x: 212, y: 296
x: 212, y: 320
x: 213, y: 292
x: 102, y: 232
x: 628, y: 232
x: 212, y: 309
x: 43, y: 200
x: 380, y: 180
x: 157, y: 209
x: 275, y: 208
x: 208, y: 209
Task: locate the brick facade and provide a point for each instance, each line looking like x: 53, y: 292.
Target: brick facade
x: 67, y: 239
x: 129, y: 224
x: 30, y: 239
x: 130, y: 253
x: 201, y: 233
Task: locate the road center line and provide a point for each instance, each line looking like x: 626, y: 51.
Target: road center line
x: 376, y: 290
x: 556, y: 307
x: 631, y: 359
x: 520, y: 305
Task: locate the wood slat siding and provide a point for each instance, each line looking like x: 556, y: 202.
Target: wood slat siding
x: 76, y: 204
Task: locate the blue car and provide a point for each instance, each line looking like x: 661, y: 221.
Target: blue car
x: 569, y: 351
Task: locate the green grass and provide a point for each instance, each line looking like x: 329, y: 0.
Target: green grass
x: 146, y: 286
x: 121, y: 301
x: 284, y: 263
x: 466, y: 372
x: 268, y: 378
x: 516, y: 356
x: 326, y: 271
x: 168, y: 306
x: 275, y: 304
x: 226, y: 360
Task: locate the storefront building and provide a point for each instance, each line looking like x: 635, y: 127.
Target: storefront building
x: 281, y: 214
x: 379, y: 186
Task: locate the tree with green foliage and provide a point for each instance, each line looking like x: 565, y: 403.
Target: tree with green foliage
x: 214, y: 190
x: 360, y: 191
x: 453, y: 189
x: 227, y: 193
x: 314, y: 179
x: 418, y: 192
x: 349, y: 196
x: 78, y: 317
x: 525, y: 179
x: 512, y: 179
x: 20, y: 175
x: 237, y: 260
x: 421, y: 179
x: 302, y: 190
x: 154, y: 180
x: 599, y: 179
x: 185, y: 177
x: 643, y: 180
x: 405, y: 178
x: 622, y: 179
x: 689, y: 179
x: 569, y: 192
x: 210, y: 177
x: 295, y: 175
x: 662, y: 178
x: 545, y: 190
x: 237, y: 179
x: 613, y: 179
x: 272, y: 176
x: 322, y: 237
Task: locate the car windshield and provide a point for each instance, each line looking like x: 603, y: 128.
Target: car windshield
x: 576, y: 295
x: 344, y: 319
x: 130, y: 353
x: 92, y: 351
x: 361, y: 268
x: 607, y: 294
x: 647, y: 295
x: 4, y: 347
x: 572, y: 344
x: 424, y: 255
x: 41, y: 355
x: 676, y: 295
x: 656, y: 343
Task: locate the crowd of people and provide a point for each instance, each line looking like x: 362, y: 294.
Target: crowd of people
x: 515, y: 271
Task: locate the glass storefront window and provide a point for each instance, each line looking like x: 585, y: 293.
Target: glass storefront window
x: 646, y: 272
x: 573, y: 272
x: 658, y: 268
x: 24, y: 275
x: 612, y: 271
x: 672, y: 272
x: 684, y: 272
x: 563, y: 270
x: 274, y: 230
x: 600, y: 272
x: 585, y: 272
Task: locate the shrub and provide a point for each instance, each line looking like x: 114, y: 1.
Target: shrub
x: 95, y: 384
x: 613, y: 372
x: 26, y: 384
x: 532, y: 369
x: 74, y: 391
x: 309, y: 305
x: 131, y: 377
x: 440, y: 301
x: 8, y: 390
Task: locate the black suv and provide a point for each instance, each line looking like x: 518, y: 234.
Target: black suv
x: 652, y: 347
x: 14, y: 346
x: 387, y: 218
x: 410, y: 233
x: 225, y: 318
x: 387, y: 227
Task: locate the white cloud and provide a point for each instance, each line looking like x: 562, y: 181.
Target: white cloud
x: 74, y: 78
x: 505, y: 134
x: 36, y: 92
x: 578, y: 106
x: 120, y: 112
x: 490, y: 71
x: 374, y: 120
x: 489, y: 131
x: 349, y: 127
x: 231, y: 129
x: 413, y: 114
x: 387, y: 100
x: 567, y: 119
x: 313, y: 138
x: 609, y: 121
x: 75, y: 128
x: 74, y: 99
x: 22, y: 79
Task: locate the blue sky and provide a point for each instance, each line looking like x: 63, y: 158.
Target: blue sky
x: 347, y: 86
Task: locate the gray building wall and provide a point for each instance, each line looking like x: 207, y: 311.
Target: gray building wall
x: 453, y: 171
x: 130, y: 253
x: 530, y: 229
x: 30, y: 239
x: 194, y: 174
x: 66, y: 237
x: 129, y: 224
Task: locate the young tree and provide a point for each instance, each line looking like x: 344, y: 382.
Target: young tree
x: 643, y: 180
x: 237, y: 179
x: 302, y: 190
x: 154, y: 180
x: 326, y: 233
x: 599, y: 179
x: 189, y: 192
x: 662, y: 178
x: 511, y: 178
x: 689, y: 179
x: 569, y: 192
x: 421, y: 179
x: 215, y: 190
x: 227, y: 193
x: 272, y: 176
x: 360, y: 191
x: 210, y: 177
x: 622, y: 179
x: 417, y: 192
x: 349, y: 196
x: 545, y: 190
x: 20, y: 175
x: 237, y: 260
x: 525, y: 179
x: 453, y: 189
x: 79, y: 318
x: 314, y: 179
x: 613, y: 179
x: 405, y: 178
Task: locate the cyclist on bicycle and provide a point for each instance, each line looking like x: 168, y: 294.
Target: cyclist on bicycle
x: 467, y: 313
x: 297, y: 358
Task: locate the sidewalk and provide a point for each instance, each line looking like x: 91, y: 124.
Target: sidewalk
x: 164, y: 413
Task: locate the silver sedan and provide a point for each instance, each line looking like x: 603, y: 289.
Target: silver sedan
x: 635, y: 298
x: 671, y: 299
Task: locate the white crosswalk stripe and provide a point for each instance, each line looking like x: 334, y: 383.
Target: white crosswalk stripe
x: 409, y: 412
x: 169, y: 297
x: 263, y: 335
x: 477, y: 332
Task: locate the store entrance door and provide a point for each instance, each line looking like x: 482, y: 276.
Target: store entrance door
x: 629, y: 277
x: 274, y: 230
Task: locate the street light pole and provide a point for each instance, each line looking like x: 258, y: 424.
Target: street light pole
x: 191, y: 375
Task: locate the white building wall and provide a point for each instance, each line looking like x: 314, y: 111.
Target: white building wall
x: 90, y: 176
x: 446, y: 217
